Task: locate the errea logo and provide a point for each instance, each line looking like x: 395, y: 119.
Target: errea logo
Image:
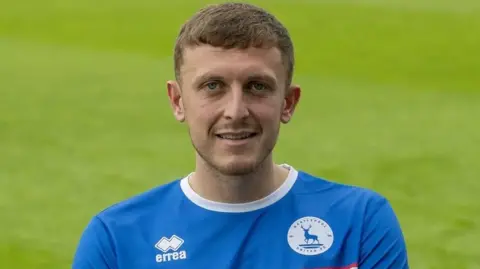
x: 169, y: 248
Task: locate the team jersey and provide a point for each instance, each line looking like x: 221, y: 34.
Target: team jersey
x: 307, y: 223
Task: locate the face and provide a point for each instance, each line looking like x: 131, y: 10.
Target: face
x: 233, y: 102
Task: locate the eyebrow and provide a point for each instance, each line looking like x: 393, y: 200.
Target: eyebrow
x: 262, y: 77
x: 207, y: 76
x: 250, y: 77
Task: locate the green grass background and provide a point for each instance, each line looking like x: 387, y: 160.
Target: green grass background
x: 391, y: 101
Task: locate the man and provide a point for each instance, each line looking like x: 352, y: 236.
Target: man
x: 238, y: 209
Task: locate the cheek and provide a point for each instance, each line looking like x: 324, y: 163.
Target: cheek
x: 268, y: 109
x: 268, y: 117
x: 191, y: 107
x: 199, y: 117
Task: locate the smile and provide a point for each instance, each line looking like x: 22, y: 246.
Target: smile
x: 236, y: 136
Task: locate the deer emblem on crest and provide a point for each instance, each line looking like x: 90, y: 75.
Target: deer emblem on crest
x: 308, y: 236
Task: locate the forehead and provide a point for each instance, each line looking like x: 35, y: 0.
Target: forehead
x: 205, y: 59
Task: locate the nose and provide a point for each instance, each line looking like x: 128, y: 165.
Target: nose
x: 236, y: 108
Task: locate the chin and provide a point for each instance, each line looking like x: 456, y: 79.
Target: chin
x: 231, y: 164
x: 236, y: 166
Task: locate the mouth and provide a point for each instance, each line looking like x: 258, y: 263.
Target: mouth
x: 236, y: 136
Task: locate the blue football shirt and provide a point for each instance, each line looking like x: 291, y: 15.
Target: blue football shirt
x: 307, y: 223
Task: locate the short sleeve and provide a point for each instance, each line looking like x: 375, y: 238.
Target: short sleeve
x: 383, y: 245
x: 95, y: 249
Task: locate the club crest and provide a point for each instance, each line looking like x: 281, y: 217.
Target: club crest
x: 310, y: 236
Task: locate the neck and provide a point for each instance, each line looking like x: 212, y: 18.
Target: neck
x: 212, y: 185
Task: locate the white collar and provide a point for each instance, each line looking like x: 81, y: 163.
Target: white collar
x: 241, y: 207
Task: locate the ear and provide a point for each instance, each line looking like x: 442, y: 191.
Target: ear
x: 175, y: 98
x: 291, y: 100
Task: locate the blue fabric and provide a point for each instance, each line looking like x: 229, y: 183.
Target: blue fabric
x: 317, y: 224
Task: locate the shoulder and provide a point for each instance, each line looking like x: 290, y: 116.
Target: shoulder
x: 109, y: 229
x: 342, y: 202
x: 142, y: 205
x: 364, y: 214
x: 310, y: 185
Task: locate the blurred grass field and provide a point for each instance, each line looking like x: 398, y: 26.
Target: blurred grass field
x: 391, y: 101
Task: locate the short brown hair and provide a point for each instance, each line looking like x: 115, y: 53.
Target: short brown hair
x: 235, y: 25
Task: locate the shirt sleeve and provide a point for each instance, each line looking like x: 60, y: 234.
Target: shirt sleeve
x: 95, y: 249
x: 383, y: 245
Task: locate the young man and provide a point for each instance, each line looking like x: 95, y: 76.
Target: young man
x: 238, y: 209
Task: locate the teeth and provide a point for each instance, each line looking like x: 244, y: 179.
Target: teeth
x: 236, y: 136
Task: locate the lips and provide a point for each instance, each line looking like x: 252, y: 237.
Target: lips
x: 236, y: 135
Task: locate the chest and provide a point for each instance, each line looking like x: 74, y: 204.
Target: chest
x: 257, y: 241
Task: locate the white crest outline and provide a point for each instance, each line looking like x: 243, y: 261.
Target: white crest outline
x: 310, y: 236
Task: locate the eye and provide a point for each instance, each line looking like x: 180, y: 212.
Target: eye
x: 212, y: 85
x: 257, y: 86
